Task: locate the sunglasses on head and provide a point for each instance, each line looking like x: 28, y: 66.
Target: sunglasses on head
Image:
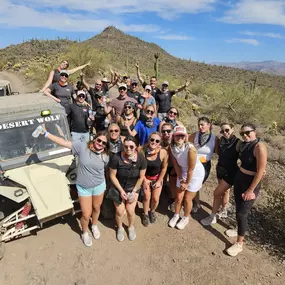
x: 224, y: 131
x: 129, y: 146
x: 154, y: 140
x: 64, y: 75
x: 101, y: 141
x: 166, y: 131
x: 173, y: 113
x: 150, y: 112
x: 114, y: 131
x: 247, y: 133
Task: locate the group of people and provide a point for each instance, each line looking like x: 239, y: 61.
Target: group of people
x: 138, y: 147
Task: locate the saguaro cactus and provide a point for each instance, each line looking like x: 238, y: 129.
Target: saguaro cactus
x: 156, y: 56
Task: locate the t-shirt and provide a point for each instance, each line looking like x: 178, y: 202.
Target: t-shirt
x: 149, y: 101
x: 78, y: 116
x: 118, y: 104
x: 56, y: 76
x: 64, y: 93
x: 91, y: 166
x: 163, y: 100
x: 143, y: 131
x: 153, y: 90
x: 136, y: 95
x: 127, y: 173
x: 100, y: 116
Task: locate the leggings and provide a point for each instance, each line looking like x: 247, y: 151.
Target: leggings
x: 242, y: 183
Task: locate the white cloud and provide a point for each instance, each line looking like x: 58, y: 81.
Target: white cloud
x: 256, y: 12
x: 175, y: 37
x: 258, y: 34
x: 253, y: 42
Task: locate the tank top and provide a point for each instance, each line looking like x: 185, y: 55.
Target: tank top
x: 56, y: 76
x: 124, y: 129
x: 206, y: 151
x: 182, y: 160
x: 154, y: 166
x: 228, y: 155
x: 246, y: 155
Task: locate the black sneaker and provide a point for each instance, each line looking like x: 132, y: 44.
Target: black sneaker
x: 145, y: 220
x: 152, y: 217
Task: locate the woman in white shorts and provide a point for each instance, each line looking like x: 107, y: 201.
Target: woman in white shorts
x: 190, y: 175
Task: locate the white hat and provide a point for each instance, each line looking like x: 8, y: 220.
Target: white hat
x: 179, y: 130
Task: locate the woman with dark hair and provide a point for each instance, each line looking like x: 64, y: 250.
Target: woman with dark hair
x: 128, y: 119
x: 206, y: 144
x: 90, y: 181
x: 171, y: 118
x: 226, y: 172
x: 157, y: 161
x: 190, y: 175
x: 253, y: 157
x: 54, y: 75
x: 127, y: 171
x: 115, y: 138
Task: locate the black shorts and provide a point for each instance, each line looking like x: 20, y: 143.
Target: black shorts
x: 226, y: 175
x: 207, y: 165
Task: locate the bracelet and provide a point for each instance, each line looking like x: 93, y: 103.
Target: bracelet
x: 46, y: 134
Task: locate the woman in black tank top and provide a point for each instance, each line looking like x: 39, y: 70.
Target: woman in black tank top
x: 253, y: 156
x: 226, y: 172
x: 157, y: 161
x: 128, y: 117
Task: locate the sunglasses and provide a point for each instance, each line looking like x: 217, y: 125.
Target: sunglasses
x: 154, y: 140
x: 150, y: 112
x: 128, y: 107
x: 101, y: 142
x: 114, y: 131
x: 64, y: 75
x: 173, y: 113
x: 81, y: 96
x: 166, y: 131
x: 180, y: 136
x: 122, y: 88
x: 134, y: 84
x: 148, y: 91
x: 224, y: 131
x: 247, y: 133
x: 98, y: 85
x: 129, y: 146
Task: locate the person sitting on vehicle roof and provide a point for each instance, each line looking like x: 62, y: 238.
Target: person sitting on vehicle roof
x: 54, y: 75
x: 90, y: 181
x: 61, y: 91
x: 79, y: 117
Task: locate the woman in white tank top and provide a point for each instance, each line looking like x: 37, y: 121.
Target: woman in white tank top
x: 190, y: 175
x: 206, y: 144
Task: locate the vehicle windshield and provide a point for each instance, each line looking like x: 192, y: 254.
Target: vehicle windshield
x: 16, y: 138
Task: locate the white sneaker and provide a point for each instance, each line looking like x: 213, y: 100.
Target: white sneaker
x: 231, y: 233
x: 183, y: 223
x: 172, y: 223
x: 87, y: 240
x: 95, y: 231
x: 210, y: 220
x: 223, y: 213
x: 132, y: 233
x: 195, y: 208
x: 235, y: 249
x: 120, y: 234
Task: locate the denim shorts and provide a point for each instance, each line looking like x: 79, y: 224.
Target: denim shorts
x: 84, y: 137
x: 94, y: 191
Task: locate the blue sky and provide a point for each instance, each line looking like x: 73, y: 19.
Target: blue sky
x: 204, y: 30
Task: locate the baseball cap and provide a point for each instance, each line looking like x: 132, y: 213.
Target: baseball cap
x: 179, y: 130
x: 122, y: 85
x: 148, y: 87
x: 134, y: 81
x: 165, y: 83
x: 81, y: 92
x: 129, y: 103
x: 64, y: 72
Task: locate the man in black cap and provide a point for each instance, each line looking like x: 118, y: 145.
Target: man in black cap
x: 133, y: 92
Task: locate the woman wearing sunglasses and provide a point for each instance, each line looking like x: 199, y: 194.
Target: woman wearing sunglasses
x: 128, y: 119
x: 145, y: 126
x: 90, y: 181
x: 226, y: 172
x: 190, y: 175
x: 127, y: 171
x: 115, y: 138
x: 206, y: 144
x: 171, y: 118
x: 253, y: 157
x: 157, y: 160
x: 146, y: 99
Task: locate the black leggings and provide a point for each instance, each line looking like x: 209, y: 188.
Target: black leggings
x: 207, y: 166
x: 242, y: 183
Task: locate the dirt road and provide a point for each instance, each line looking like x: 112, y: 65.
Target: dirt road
x: 17, y: 83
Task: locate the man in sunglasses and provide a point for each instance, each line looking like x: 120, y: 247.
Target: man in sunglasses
x: 152, y: 82
x: 61, y: 91
x: 78, y: 113
x: 164, y: 97
x: 133, y: 92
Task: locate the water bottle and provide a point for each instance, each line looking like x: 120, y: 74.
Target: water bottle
x: 106, y: 123
x: 37, y: 131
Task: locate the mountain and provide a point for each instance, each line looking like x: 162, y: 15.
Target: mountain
x: 270, y: 67
x: 113, y: 48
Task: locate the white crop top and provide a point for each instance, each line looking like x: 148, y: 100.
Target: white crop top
x: 205, y: 152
